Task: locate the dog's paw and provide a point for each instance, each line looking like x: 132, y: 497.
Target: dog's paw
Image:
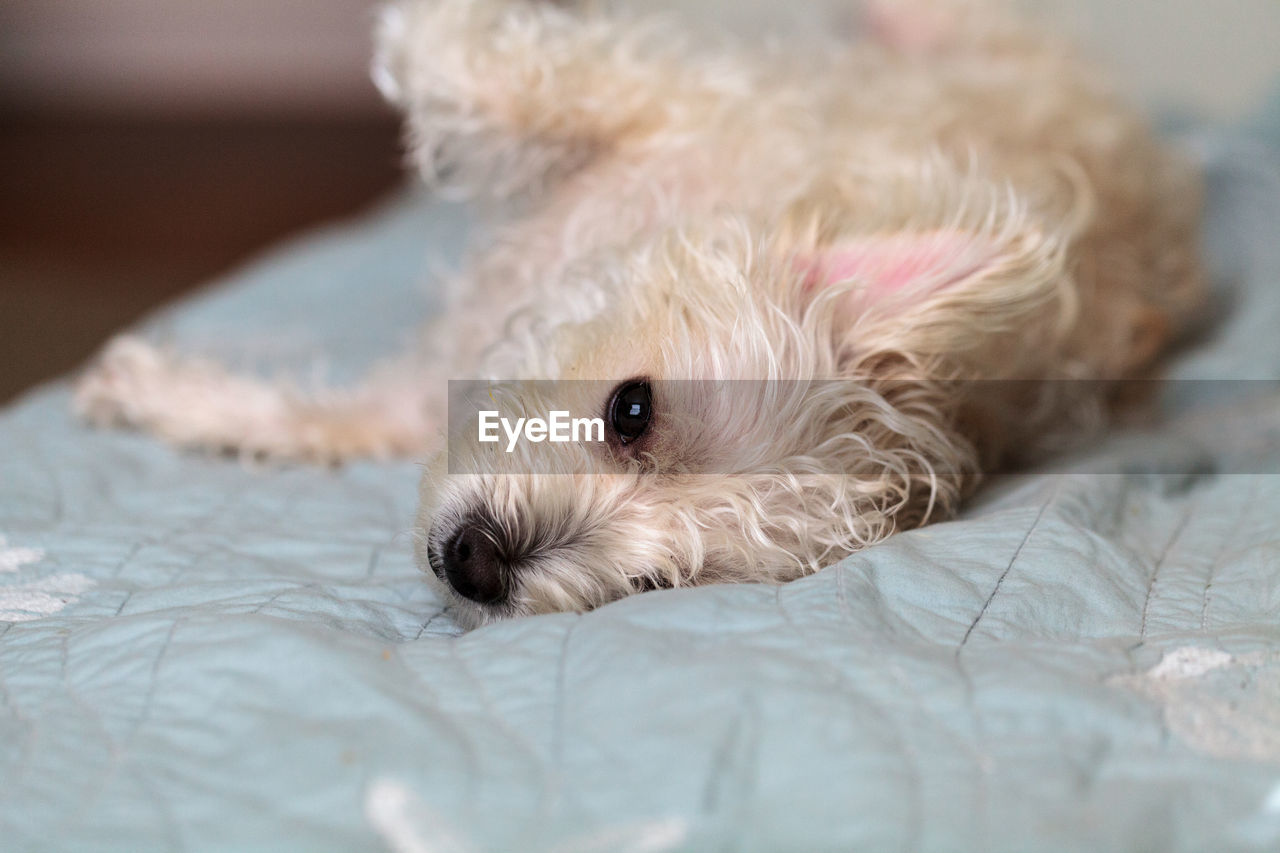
x: 923, y: 26
x: 112, y: 390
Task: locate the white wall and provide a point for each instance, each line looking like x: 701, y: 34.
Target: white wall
x: 1216, y: 57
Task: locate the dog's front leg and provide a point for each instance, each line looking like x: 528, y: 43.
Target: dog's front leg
x: 503, y: 97
x: 197, y: 404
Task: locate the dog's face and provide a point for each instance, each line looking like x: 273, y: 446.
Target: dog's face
x: 753, y: 429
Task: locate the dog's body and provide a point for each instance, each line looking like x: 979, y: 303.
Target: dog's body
x: 921, y: 217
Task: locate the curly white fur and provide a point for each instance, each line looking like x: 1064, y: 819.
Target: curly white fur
x: 899, y: 246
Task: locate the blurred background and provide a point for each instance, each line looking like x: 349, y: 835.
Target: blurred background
x: 147, y: 145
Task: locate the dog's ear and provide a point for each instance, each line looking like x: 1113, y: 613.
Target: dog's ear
x: 937, y: 293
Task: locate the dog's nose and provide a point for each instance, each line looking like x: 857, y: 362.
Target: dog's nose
x: 473, y: 566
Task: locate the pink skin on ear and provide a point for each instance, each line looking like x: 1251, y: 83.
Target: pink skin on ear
x: 895, y: 265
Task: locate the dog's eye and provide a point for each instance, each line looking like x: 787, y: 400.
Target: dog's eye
x: 631, y: 410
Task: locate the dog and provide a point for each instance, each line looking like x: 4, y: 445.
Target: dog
x: 812, y: 292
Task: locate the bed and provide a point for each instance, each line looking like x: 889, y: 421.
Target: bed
x: 198, y: 654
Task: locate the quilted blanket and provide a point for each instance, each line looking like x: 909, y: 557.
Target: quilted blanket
x: 200, y: 655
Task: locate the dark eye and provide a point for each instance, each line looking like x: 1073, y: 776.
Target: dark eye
x: 631, y: 410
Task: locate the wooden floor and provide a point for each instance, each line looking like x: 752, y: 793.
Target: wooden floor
x: 102, y: 219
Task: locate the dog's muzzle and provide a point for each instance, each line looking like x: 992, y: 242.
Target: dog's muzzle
x: 471, y: 561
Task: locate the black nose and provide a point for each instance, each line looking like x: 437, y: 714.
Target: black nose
x: 473, y: 566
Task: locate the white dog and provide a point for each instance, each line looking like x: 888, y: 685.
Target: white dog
x: 901, y: 246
